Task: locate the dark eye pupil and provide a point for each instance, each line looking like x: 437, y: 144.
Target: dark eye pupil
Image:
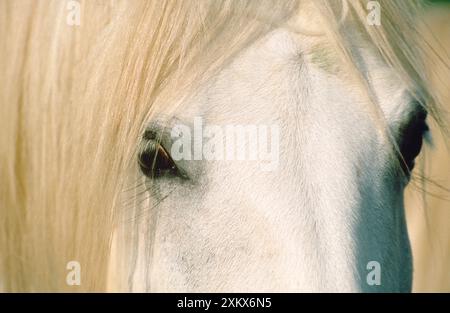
x: 412, y: 140
x: 155, y: 161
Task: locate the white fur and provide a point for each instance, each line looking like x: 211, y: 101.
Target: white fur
x: 332, y: 205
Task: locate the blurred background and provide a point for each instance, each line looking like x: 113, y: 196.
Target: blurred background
x: 428, y: 199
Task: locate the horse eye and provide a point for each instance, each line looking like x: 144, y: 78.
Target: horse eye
x: 155, y: 161
x: 411, y: 139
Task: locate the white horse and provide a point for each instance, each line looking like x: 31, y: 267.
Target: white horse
x: 346, y: 95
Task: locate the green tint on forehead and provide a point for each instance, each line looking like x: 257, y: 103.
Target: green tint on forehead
x: 325, y: 57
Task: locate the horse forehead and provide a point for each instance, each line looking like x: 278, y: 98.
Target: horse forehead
x: 275, y: 75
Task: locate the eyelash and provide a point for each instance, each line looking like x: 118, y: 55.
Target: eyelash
x: 155, y: 162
